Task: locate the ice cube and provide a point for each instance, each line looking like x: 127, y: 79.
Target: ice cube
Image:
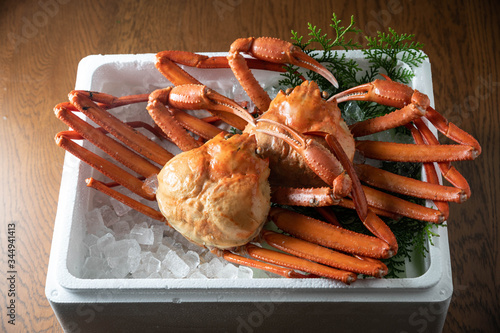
x: 90, y: 240
x: 117, y: 261
x: 109, y: 216
x: 140, y: 274
x: 228, y: 272
x: 161, y: 251
x: 145, y: 255
x: 207, y: 256
x: 154, y: 275
x: 158, y: 233
x: 105, y: 240
x: 124, y: 247
x: 166, y: 274
x: 211, y: 268
x: 153, y: 265
x: 94, y: 221
x: 94, y: 268
x: 151, y: 183
x: 120, y: 208
x: 120, y: 271
x: 176, y: 265
x: 192, y: 259
x: 143, y: 235
x: 245, y: 272
x: 133, y: 263
x: 94, y: 251
x: 121, y: 229
x: 216, y: 263
x: 178, y: 248
x: 197, y: 275
x: 168, y: 241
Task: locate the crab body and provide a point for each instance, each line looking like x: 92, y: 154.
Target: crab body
x: 304, y: 110
x: 216, y: 195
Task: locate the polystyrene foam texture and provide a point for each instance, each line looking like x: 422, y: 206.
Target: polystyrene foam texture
x: 431, y: 281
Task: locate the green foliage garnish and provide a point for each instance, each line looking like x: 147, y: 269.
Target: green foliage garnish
x: 382, y: 53
x: 395, y: 55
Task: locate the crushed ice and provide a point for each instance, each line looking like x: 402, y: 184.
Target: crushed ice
x: 122, y: 243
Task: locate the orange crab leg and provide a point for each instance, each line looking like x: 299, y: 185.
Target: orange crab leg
x: 385, y: 92
x: 431, y: 174
x: 107, y: 101
x: 348, y: 203
x: 292, y: 262
x: 322, y: 197
x: 162, y: 116
x: 323, y: 255
x: 196, y: 96
x: 166, y: 63
x: 201, y: 127
x: 385, y: 201
x: 391, y: 120
x: 162, y: 111
x: 130, y: 137
x: 449, y: 173
x: 395, y: 183
x: 380, y: 203
x: 249, y: 262
x: 105, y: 167
x: 272, y: 50
x: 134, y: 204
x: 328, y: 235
x: 308, y: 197
x: 369, y: 218
x: 411, y: 104
x: 401, y: 152
x: 451, y: 130
x: 113, y: 148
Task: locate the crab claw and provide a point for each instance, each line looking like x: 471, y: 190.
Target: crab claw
x: 386, y: 92
x: 317, y: 157
x: 278, y: 51
x: 197, y: 96
x: 268, y: 50
x: 298, y: 58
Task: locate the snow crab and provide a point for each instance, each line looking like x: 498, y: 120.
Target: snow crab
x: 298, y: 151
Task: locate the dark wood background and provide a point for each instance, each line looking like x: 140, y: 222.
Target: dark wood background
x: 42, y: 42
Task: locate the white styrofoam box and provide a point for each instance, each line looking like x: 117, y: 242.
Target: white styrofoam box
x: 417, y: 302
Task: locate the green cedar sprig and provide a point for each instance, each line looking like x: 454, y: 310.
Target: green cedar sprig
x: 382, y: 52
x: 395, y: 55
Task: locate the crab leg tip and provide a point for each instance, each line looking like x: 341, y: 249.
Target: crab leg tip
x: 382, y: 272
x: 475, y: 153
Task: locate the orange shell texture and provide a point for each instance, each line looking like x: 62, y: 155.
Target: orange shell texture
x: 216, y: 195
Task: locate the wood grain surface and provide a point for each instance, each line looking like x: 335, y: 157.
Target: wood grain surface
x: 41, y: 43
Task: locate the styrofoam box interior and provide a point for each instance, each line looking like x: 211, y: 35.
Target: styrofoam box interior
x: 223, y: 304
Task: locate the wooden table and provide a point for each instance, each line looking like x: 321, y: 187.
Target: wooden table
x: 42, y: 43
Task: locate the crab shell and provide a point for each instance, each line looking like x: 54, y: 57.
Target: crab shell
x: 304, y: 110
x: 216, y: 195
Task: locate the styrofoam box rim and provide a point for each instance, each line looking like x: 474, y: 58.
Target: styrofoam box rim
x: 433, y: 286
